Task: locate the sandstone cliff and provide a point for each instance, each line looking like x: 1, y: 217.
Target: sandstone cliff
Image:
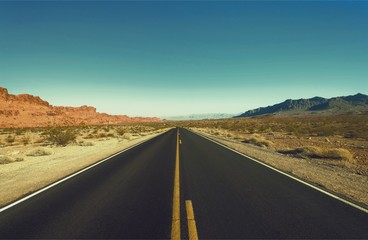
x: 26, y: 110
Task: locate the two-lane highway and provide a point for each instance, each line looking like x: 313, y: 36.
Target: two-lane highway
x: 175, y: 184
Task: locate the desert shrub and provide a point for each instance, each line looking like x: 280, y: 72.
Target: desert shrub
x: 10, y: 139
x: 351, y: 134
x: 60, y: 137
x: 89, y: 136
x: 101, y: 135
x: 6, y: 159
x: 340, y: 153
x: 111, y: 135
x: 317, y: 152
x: 120, y: 131
x: 25, y: 140
x: 39, y: 140
x: 127, y: 136
x: 85, y: 144
x: 20, y: 131
x: 258, y: 141
x: 38, y: 152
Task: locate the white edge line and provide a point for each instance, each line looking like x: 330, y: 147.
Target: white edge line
x: 73, y: 175
x: 288, y: 175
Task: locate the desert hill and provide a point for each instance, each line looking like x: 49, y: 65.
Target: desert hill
x: 25, y: 110
x: 336, y: 105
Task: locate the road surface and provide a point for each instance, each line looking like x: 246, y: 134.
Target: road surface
x: 132, y: 195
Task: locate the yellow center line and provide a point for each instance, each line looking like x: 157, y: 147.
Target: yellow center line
x: 175, y: 227
x: 193, y: 235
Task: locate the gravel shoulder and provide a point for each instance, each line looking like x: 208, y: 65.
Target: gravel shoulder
x: 331, y: 177
x: 18, y: 179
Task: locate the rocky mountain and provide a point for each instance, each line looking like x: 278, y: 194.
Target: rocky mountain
x: 26, y: 110
x: 336, y: 105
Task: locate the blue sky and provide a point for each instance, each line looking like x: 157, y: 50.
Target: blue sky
x: 162, y: 58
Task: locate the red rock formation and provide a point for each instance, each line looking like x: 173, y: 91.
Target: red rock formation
x: 26, y: 110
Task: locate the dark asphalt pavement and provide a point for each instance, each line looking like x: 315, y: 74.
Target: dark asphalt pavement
x: 131, y: 196
x: 128, y: 196
x: 234, y: 197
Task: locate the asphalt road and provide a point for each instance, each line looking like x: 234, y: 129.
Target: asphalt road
x: 234, y: 197
x: 131, y: 196
x: 128, y: 196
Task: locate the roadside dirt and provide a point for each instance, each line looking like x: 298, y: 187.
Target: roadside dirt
x: 335, y: 176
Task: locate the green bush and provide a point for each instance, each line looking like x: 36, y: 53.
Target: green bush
x: 60, y: 137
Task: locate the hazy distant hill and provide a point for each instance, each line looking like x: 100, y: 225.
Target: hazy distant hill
x: 336, y: 105
x: 200, y: 116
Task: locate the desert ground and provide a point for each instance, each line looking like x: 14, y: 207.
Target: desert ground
x: 31, y: 159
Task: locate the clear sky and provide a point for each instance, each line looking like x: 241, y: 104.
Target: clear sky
x: 162, y: 58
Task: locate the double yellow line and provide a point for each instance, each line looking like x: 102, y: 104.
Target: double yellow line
x: 175, y: 227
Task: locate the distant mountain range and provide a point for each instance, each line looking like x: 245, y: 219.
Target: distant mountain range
x: 336, y: 105
x: 200, y: 116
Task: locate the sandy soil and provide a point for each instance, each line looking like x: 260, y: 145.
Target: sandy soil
x: 34, y: 172
x: 330, y: 175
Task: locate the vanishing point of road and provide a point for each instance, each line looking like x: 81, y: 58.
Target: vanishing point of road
x: 181, y: 185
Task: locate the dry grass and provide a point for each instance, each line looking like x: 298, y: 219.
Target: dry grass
x: 85, y: 143
x: 127, y: 136
x: 352, y: 126
x: 26, y: 140
x: 257, y: 140
x: 317, y: 152
x: 38, y: 152
x: 10, y: 139
x: 64, y: 136
x: 6, y: 159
